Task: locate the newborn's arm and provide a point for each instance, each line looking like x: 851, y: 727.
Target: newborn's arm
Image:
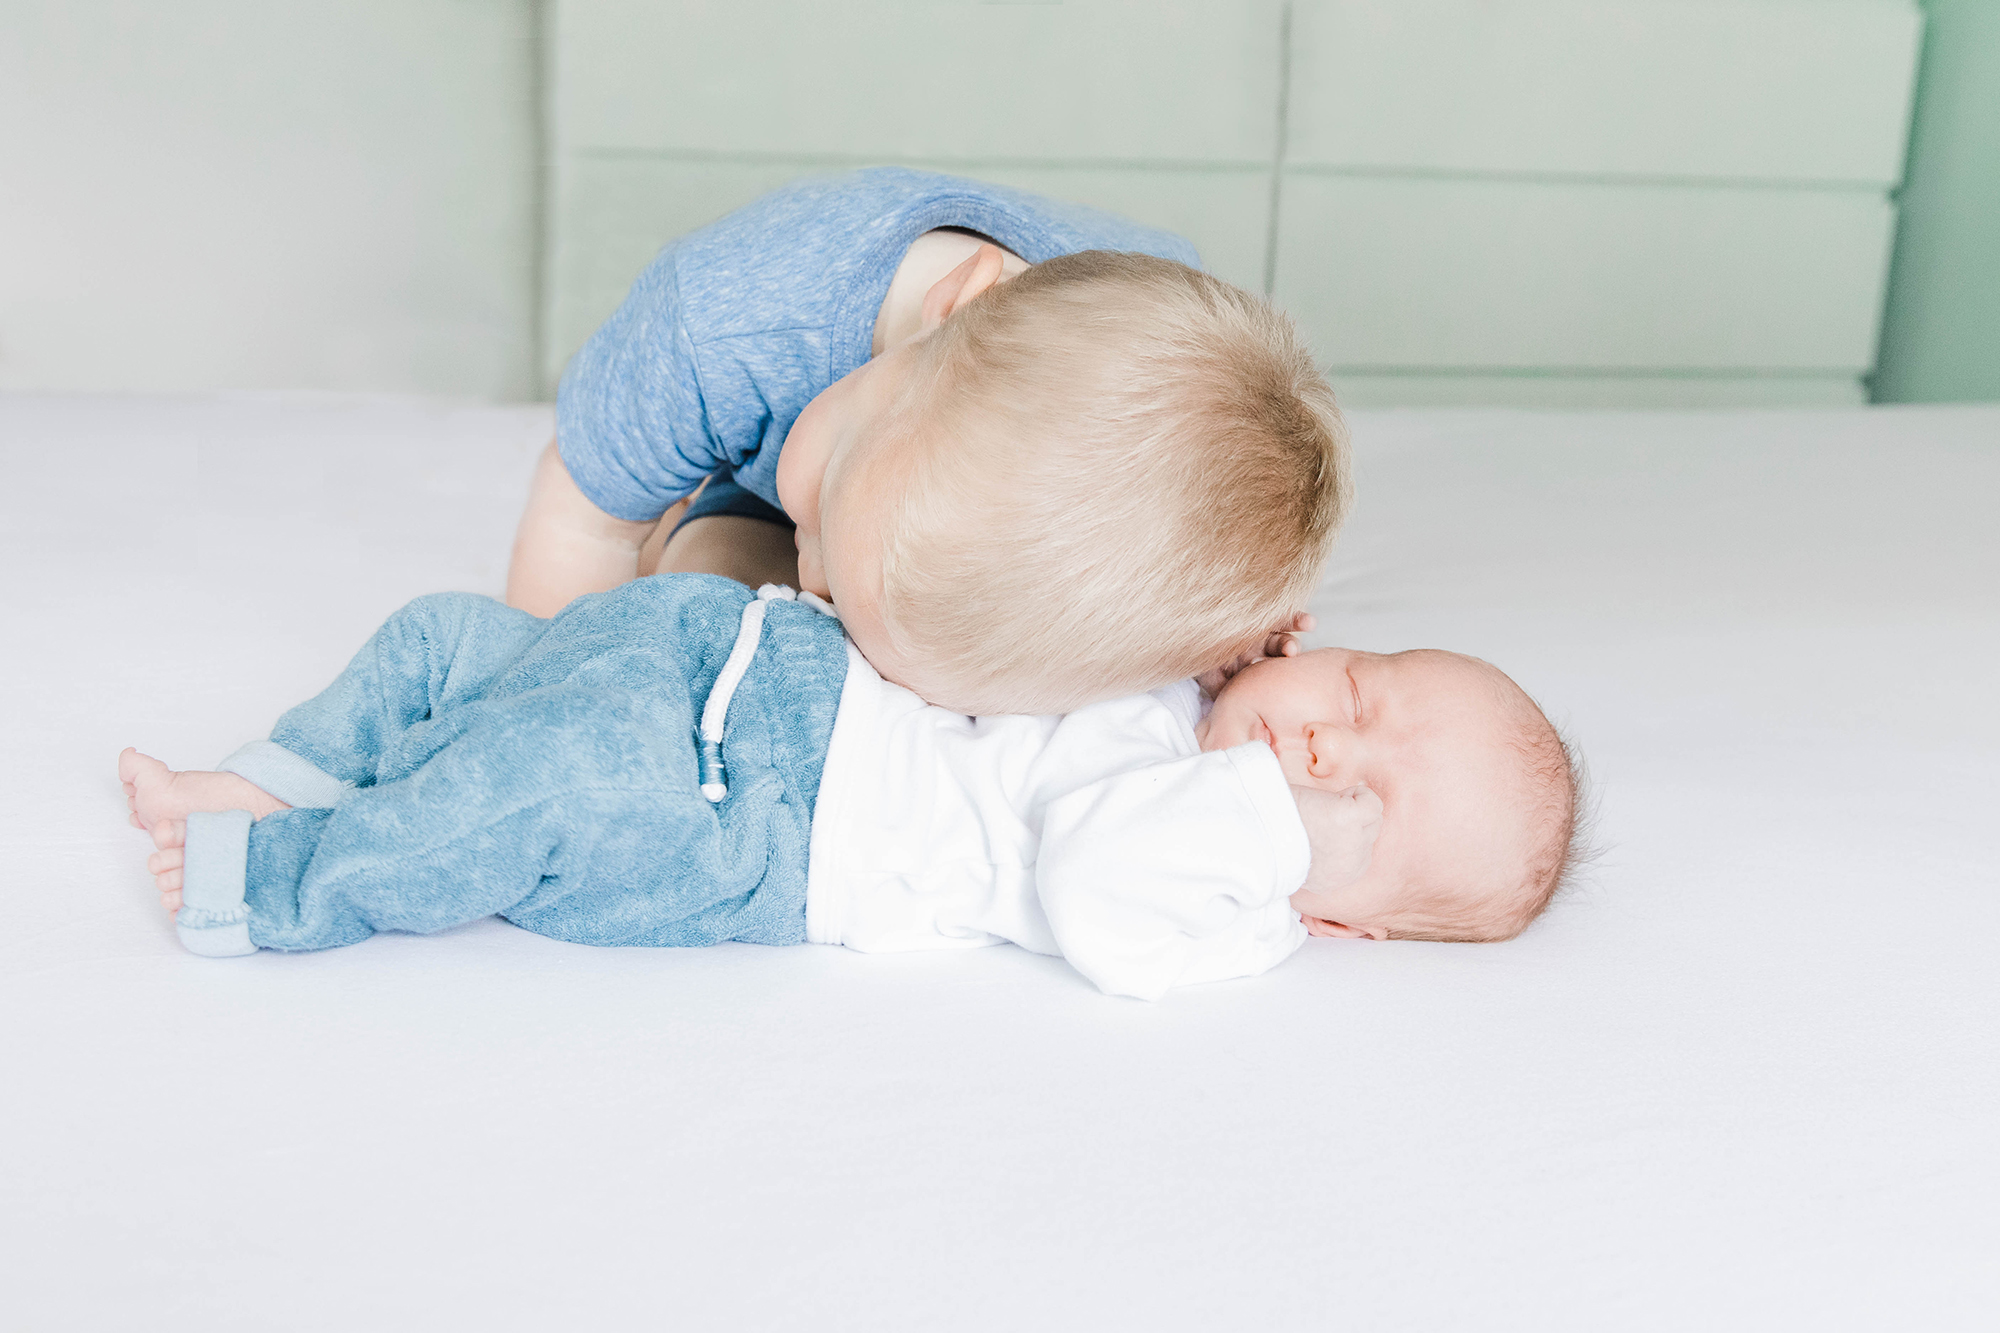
x: 1175, y: 873
x: 566, y: 546
x: 1341, y: 827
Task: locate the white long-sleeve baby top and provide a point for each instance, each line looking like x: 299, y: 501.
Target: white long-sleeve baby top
x: 1104, y: 835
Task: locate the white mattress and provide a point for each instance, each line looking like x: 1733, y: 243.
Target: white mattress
x: 1746, y: 1078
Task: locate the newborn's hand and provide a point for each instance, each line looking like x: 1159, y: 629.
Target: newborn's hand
x: 1282, y: 641
x: 1341, y: 827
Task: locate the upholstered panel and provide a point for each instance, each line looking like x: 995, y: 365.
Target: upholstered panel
x: 614, y: 214
x: 1751, y: 90
x: 1519, y: 201
x: 1133, y: 80
x: 1456, y: 274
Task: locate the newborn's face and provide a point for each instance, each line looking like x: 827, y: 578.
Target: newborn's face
x: 1426, y: 731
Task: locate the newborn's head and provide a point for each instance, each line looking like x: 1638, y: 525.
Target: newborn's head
x: 1477, y: 792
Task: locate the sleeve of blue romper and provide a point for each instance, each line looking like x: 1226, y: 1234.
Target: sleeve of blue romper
x: 1175, y: 873
x: 630, y: 419
x: 436, y: 652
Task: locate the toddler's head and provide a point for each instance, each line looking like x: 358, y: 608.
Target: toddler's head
x: 1440, y: 803
x: 1101, y: 475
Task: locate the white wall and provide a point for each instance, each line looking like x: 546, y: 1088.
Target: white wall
x: 238, y: 194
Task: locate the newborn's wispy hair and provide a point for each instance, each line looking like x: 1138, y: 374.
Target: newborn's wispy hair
x: 1554, y: 782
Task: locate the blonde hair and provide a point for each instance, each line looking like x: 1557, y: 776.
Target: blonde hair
x: 1122, y: 472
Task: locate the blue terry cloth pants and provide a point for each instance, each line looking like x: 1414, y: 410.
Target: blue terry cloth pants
x: 473, y: 760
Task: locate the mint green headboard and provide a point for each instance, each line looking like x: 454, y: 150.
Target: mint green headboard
x: 1495, y: 201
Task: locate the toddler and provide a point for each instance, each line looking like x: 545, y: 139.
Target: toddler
x: 680, y: 762
x: 1033, y: 454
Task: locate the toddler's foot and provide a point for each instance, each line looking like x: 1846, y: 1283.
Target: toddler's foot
x: 155, y: 792
x: 170, y: 836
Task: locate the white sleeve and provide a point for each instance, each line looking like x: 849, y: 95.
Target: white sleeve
x: 1176, y: 872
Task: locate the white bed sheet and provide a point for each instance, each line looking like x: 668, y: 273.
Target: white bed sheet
x: 1746, y: 1078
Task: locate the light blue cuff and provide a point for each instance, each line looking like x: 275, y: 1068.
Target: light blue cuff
x: 297, y: 782
x: 214, y: 921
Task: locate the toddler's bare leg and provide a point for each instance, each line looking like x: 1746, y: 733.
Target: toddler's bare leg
x: 748, y: 550
x: 154, y: 792
x: 649, y: 552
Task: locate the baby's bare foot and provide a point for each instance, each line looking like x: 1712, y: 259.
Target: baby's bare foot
x: 154, y: 792
x: 166, y: 864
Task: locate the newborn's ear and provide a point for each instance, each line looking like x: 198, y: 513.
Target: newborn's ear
x: 1334, y: 930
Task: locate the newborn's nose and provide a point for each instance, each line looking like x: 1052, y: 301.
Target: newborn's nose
x: 1322, y: 748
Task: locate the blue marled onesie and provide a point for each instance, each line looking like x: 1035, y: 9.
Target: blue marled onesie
x: 474, y: 760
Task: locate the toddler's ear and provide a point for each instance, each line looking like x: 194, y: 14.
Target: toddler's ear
x: 960, y: 285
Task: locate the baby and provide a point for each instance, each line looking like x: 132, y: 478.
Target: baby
x: 679, y: 762
x: 1032, y: 453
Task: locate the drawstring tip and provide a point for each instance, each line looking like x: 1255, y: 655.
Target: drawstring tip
x: 714, y: 777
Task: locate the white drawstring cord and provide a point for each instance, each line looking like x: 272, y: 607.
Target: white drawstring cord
x: 714, y: 777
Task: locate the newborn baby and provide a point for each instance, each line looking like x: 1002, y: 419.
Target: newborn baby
x: 677, y: 762
x: 1440, y: 802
